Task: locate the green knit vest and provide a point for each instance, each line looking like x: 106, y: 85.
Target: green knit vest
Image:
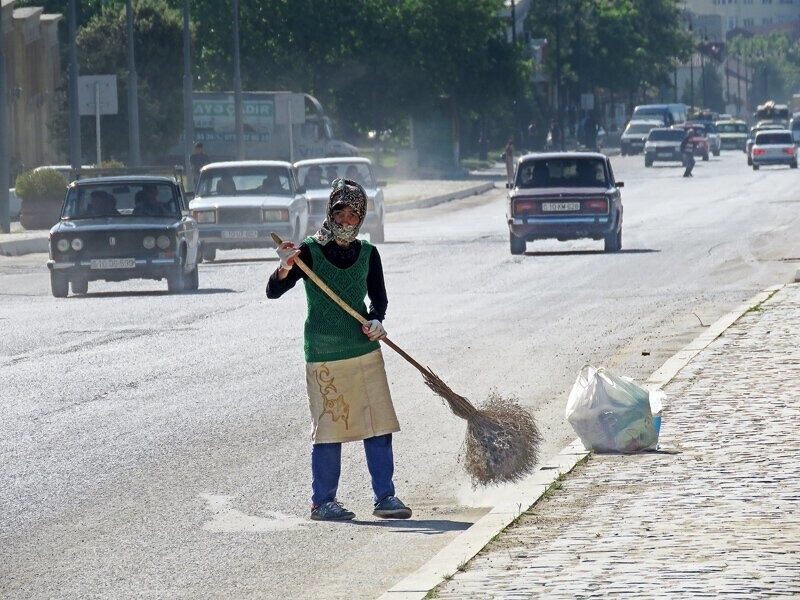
x: 330, y: 333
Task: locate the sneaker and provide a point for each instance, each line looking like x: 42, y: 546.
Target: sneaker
x: 331, y: 511
x: 392, y: 508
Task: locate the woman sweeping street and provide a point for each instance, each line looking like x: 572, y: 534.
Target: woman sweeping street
x: 346, y: 381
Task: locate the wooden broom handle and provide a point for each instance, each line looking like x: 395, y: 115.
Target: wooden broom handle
x: 346, y: 307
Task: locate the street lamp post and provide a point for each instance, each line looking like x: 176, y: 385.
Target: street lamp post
x: 5, y: 217
x: 237, y: 85
x: 74, y: 114
x: 691, y: 71
x: 188, y: 125
x: 134, y: 157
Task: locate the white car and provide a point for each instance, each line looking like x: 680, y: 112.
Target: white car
x: 316, y: 175
x: 774, y: 147
x: 239, y: 203
x: 635, y: 136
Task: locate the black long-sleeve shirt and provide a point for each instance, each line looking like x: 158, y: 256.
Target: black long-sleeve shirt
x: 342, y: 258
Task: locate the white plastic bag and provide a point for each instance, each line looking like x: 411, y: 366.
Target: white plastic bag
x: 610, y: 413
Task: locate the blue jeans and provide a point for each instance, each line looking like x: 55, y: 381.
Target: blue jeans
x: 326, y: 466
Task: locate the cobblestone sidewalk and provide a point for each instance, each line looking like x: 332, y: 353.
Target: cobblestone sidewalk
x: 715, y: 513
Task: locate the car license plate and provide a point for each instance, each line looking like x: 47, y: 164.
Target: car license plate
x: 665, y: 154
x: 112, y: 263
x: 239, y: 235
x: 560, y: 206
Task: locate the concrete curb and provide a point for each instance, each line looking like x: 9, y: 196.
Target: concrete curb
x: 523, y: 495
x: 30, y: 245
x: 434, y: 200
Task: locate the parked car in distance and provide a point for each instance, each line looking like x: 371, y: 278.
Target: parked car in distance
x: 774, y: 147
x: 663, y: 145
x: 239, y: 203
x: 751, y: 138
x: 120, y: 228
x: 564, y: 196
x: 701, y: 146
x: 733, y: 134
x: 316, y: 175
x: 711, y: 134
x: 635, y: 135
x: 794, y: 126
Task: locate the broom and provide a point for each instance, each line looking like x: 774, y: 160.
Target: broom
x: 502, y: 440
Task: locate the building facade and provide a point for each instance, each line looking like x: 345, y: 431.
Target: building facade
x: 718, y: 17
x: 33, y: 73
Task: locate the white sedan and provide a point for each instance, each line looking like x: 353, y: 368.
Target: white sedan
x: 316, y: 175
x: 239, y: 203
x: 774, y: 147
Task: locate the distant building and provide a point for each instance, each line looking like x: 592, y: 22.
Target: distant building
x: 716, y: 18
x: 33, y: 73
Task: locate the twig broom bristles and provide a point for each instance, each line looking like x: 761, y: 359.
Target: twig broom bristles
x: 502, y: 440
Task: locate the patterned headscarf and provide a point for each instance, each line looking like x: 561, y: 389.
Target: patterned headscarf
x: 346, y: 192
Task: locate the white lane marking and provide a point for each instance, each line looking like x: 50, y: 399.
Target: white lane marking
x: 229, y: 520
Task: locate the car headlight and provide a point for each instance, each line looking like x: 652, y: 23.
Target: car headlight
x: 77, y: 244
x: 275, y: 214
x: 149, y: 242
x: 162, y: 242
x: 62, y: 245
x: 205, y: 216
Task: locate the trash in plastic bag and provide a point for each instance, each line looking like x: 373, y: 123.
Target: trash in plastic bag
x: 612, y: 413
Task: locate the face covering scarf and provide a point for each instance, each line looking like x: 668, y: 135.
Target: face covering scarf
x: 346, y: 193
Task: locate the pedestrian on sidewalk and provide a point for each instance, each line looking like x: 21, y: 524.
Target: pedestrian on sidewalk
x: 687, y: 151
x: 508, y: 158
x: 348, y: 392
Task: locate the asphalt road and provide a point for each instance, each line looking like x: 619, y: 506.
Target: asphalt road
x: 156, y: 445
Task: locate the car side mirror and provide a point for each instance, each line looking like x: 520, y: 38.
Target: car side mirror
x: 381, y: 183
x: 620, y: 184
x: 188, y: 196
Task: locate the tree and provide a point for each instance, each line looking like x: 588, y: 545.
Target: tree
x: 157, y: 45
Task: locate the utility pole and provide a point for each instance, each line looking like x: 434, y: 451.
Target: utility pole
x: 188, y: 124
x: 74, y: 115
x: 237, y: 85
x: 134, y: 157
x: 559, y: 113
x: 5, y: 212
x: 738, y: 88
x: 702, y: 47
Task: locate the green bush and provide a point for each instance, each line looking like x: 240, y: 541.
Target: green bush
x: 45, y: 185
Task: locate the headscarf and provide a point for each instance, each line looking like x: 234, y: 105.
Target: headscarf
x: 346, y: 192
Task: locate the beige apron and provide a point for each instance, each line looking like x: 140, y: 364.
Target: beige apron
x: 349, y: 399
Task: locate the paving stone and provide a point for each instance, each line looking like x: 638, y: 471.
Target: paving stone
x: 716, y: 515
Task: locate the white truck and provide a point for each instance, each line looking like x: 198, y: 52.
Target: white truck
x: 267, y: 132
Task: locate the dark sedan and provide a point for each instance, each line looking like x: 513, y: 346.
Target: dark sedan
x: 120, y: 228
x: 566, y: 196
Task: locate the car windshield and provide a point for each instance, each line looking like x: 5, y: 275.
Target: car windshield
x: 666, y: 135
x: 562, y: 172
x: 765, y: 138
x: 639, y: 128
x: 320, y: 175
x: 245, y: 181
x: 124, y: 199
x: 650, y: 111
x: 732, y: 128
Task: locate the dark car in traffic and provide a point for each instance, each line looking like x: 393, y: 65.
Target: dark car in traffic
x: 120, y: 228
x: 564, y: 196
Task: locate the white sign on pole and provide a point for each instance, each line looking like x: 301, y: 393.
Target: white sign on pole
x: 107, y: 86
x: 290, y: 108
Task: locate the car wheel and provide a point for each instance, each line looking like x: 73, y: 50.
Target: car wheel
x: 176, y: 281
x: 192, y: 279
x: 755, y: 167
x: 613, y: 241
x: 209, y: 254
x: 80, y: 286
x: 648, y: 163
x: 749, y: 161
x: 705, y: 157
x: 518, y: 244
x: 623, y: 153
x: 59, y: 285
x: 793, y: 165
x: 376, y: 235
x: 716, y: 153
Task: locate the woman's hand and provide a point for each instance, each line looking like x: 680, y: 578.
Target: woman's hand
x: 373, y: 330
x: 287, y: 252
